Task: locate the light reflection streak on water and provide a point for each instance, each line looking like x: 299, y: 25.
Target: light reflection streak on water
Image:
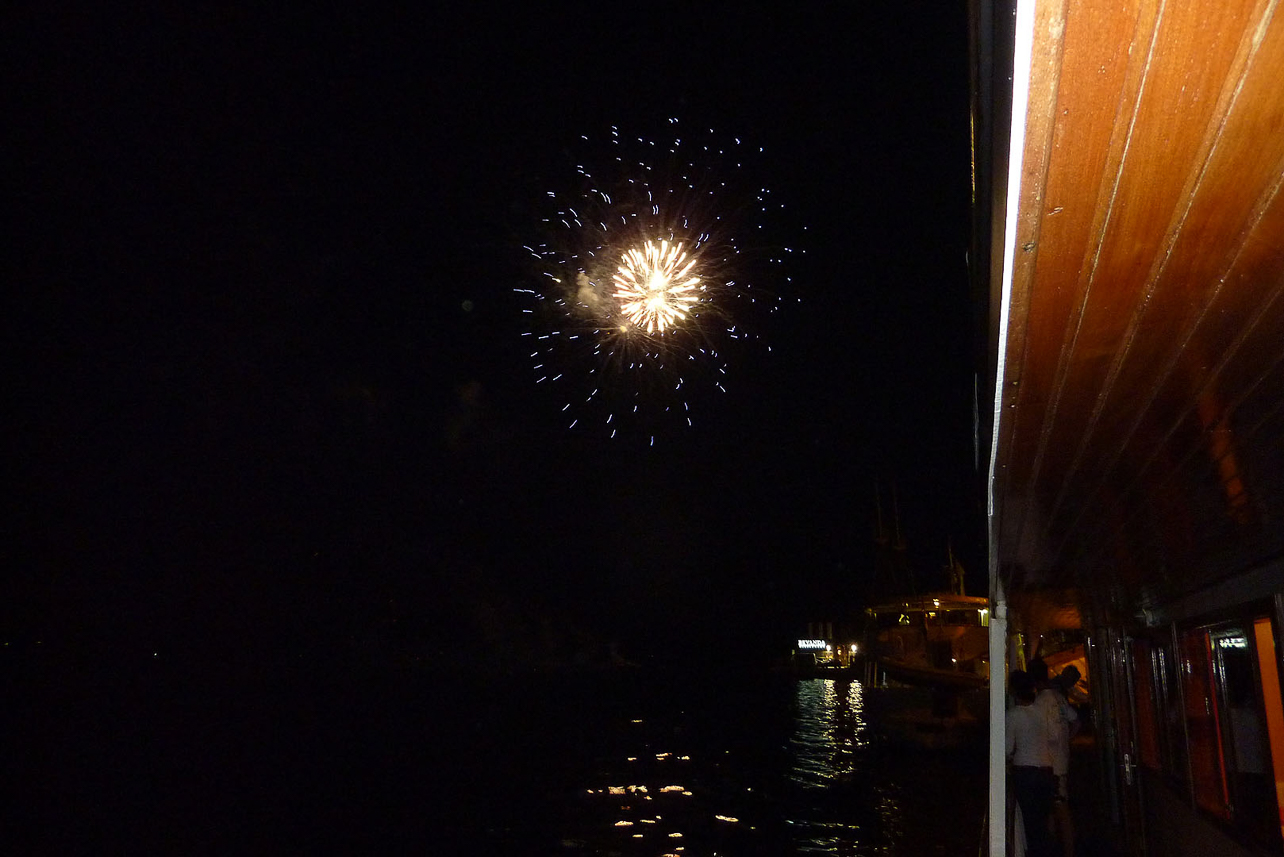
x: 829, y: 735
x: 828, y: 728
x: 650, y: 807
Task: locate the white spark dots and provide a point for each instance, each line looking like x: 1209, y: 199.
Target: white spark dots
x: 651, y: 267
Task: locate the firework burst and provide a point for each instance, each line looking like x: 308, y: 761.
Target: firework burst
x: 654, y: 286
x: 649, y: 268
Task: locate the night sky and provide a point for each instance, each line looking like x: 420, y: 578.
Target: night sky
x: 269, y: 383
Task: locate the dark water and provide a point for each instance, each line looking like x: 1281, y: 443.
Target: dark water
x: 160, y: 760
x: 764, y: 767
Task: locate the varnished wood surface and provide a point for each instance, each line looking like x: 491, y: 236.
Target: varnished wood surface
x: 1142, y: 437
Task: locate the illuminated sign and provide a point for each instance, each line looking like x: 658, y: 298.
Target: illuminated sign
x: 811, y: 644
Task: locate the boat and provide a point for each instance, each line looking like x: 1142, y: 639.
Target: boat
x: 935, y: 640
x: 1127, y: 260
x: 927, y: 669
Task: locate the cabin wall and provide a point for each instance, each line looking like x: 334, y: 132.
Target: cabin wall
x: 1191, y: 722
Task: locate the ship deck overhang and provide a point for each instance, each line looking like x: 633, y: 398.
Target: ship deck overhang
x: 1135, y: 279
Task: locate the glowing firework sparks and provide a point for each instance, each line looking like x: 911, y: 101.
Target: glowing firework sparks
x: 654, y: 288
x: 644, y: 277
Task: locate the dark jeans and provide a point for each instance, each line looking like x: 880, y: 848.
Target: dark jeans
x: 1034, y: 789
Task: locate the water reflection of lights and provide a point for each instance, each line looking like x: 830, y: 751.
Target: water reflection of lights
x: 829, y: 735
x: 828, y: 729
x: 832, y: 788
x: 818, y: 837
x: 651, y: 797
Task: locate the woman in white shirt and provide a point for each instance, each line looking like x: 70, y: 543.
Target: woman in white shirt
x: 1030, y: 754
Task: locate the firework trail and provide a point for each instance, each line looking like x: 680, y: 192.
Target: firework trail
x: 651, y: 264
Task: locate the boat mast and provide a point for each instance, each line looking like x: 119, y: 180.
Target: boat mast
x: 900, y: 560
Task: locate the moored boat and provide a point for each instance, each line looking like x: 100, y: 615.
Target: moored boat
x: 935, y: 640
x: 927, y: 669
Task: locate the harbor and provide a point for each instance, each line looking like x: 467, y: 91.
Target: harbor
x: 564, y: 432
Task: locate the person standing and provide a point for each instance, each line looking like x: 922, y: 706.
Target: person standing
x: 1030, y: 755
x: 1064, y: 726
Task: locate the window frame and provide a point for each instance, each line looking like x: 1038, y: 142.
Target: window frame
x: 1233, y: 816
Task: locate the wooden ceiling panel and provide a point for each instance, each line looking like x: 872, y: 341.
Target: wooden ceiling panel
x: 1148, y: 289
x: 1165, y: 337
x: 1060, y: 221
x: 1167, y: 140
x: 1173, y: 428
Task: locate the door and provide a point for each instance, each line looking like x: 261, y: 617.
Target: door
x: 1116, y: 712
